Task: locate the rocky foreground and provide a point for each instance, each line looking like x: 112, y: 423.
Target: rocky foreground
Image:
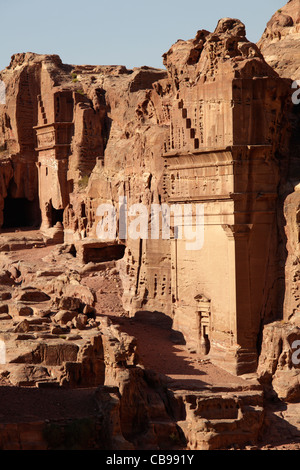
x: 99, y: 341
x: 81, y: 374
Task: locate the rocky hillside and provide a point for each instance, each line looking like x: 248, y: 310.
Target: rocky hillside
x: 279, y: 43
x: 217, y: 126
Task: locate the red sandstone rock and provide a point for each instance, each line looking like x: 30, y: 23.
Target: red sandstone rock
x: 214, y: 129
x: 109, y: 133
x: 279, y: 42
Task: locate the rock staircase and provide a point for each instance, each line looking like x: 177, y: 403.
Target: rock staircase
x: 190, y: 131
x: 187, y: 136
x: 42, y: 109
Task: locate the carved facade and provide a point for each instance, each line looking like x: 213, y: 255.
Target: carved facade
x: 54, y: 148
x: 208, y: 132
x: 223, y: 157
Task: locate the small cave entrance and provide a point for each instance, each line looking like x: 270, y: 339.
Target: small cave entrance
x: 21, y: 213
x: 73, y: 251
x: 100, y: 254
x: 54, y: 215
x: 57, y: 216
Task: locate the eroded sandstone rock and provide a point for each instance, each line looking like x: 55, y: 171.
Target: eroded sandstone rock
x: 213, y: 129
x: 279, y: 42
x: 277, y: 369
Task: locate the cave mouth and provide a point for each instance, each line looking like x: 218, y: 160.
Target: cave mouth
x: 21, y: 213
x: 100, y: 254
x: 57, y: 215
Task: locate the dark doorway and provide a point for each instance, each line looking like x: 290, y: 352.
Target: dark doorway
x: 100, y: 254
x: 20, y: 212
x: 57, y: 215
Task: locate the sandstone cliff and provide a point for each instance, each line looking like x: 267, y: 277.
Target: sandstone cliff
x: 216, y: 128
x: 199, y: 131
x: 279, y: 45
x: 279, y: 42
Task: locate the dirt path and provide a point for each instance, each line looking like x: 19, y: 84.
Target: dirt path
x: 156, y: 342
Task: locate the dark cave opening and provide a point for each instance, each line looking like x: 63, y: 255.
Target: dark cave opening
x: 20, y: 212
x: 100, y: 254
x: 57, y: 215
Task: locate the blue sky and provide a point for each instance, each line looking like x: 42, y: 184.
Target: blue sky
x: 116, y: 32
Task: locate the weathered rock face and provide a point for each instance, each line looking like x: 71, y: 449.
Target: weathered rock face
x: 46, y: 118
x: 215, y: 133
x: 199, y: 118
x: 55, y: 342
x: 279, y: 45
x: 228, y: 83
x: 209, y: 132
x: 279, y: 42
x: 278, y: 367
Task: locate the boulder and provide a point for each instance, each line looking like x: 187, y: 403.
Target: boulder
x: 278, y: 369
x: 18, y: 309
x: 64, y: 316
